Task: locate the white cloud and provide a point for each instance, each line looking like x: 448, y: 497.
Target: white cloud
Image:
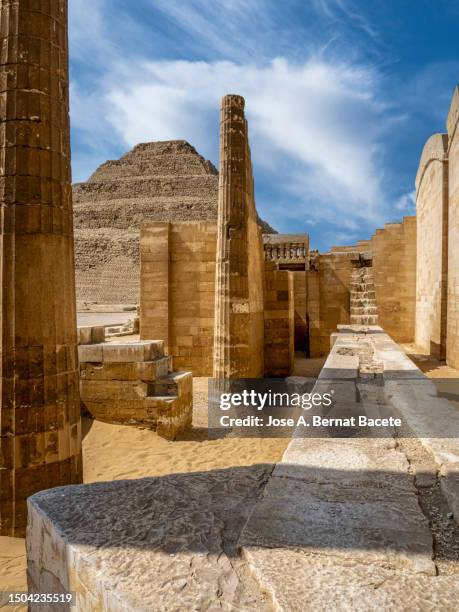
x: 316, y: 125
x: 317, y: 122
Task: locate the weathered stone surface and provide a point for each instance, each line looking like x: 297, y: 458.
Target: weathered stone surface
x: 121, y: 352
x: 239, y: 320
x: 366, y: 524
x: 177, y: 293
x: 91, y: 335
x: 301, y: 580
x: 154, y: 544
x: 147, y: 371
x: 40, y: 428
x: 350, y: 462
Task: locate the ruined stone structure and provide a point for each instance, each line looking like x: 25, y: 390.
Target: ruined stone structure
x: 155, y: 181
x: 178, y: 291
x: 182, y: 302
x: 132, y: 383
x: 239, y: 323
x: 40, y: 411
x: 178, y: 283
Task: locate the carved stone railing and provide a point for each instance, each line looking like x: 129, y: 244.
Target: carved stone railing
x: 286, y: 248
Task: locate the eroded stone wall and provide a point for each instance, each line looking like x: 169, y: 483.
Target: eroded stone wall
x: 452, y: 349
x: 178, y: 291
x: 40, y: 411
x: 432, y: 247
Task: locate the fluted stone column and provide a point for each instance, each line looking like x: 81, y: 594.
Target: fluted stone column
x: 238, y: 338
x: 40, y: 414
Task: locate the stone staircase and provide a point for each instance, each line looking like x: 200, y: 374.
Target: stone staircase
x: 132, y: 383
x: 364, y: 310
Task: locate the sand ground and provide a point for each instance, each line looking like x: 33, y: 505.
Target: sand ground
x: 446, y: 379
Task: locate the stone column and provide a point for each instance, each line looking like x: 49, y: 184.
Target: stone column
x: 40, y: 412
x: 231, y: 287
x: 238, y: 337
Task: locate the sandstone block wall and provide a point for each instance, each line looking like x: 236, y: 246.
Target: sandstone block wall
x: 40, y: 429
x: 132, y: 383
x: 328, y: 298
x: 394, y: 273
x: 178, y: 291
x: 279, y: 322
x: 432, y: 247
x: 452, y: 348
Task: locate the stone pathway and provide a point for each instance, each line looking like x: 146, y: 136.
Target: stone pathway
x: 343, y: 524
x: 339, y: 524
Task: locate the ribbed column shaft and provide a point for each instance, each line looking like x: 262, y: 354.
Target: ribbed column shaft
x: 40, y: 413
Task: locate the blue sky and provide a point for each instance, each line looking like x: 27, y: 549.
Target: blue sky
x: 340, y: 95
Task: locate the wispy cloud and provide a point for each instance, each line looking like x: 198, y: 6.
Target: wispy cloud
x: 321, y: 114
x: 406, y: 203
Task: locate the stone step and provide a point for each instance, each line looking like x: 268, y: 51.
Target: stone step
x: 121, y: 352
x: 364, y: 319
x: 363, y: 295
x: 362, y: 287
x: 364, y: 310
x: 175, y: 383
x: 146, y: 371
x: 362, y: 278
x: 357, y: 302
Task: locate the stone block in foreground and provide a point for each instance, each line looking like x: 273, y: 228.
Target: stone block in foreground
x: 154, y: 544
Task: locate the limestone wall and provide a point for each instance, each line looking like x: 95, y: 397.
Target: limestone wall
x: 329, y: 302
x: 452, y: 348
x: 394, y: 273
x: 432, y: 247
x: 178, y: 291
x: 279, y: 317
